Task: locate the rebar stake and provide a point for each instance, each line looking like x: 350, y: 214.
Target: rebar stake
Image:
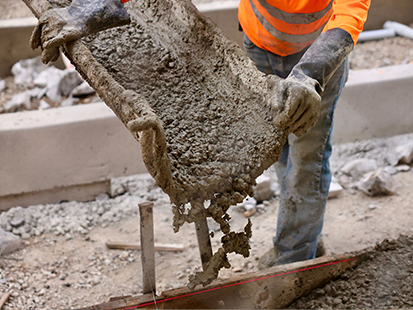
x: 147, y: 251
x: 204, y: 242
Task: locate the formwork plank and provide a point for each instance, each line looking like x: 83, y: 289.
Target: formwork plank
x: 273, y: 288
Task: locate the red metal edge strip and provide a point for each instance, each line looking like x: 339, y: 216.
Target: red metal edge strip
x: 239, y: 283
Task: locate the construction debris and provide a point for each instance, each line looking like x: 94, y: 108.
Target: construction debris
x: 4, y: 299
x: 263, y: 190
x: 405, y: 153
x: 9, y: 243
x: 25, y: 71
x: 377, y: 183
x: 359, y: 167
x: 157, y: 246
x: 2, y: 85
x: 46, y: 85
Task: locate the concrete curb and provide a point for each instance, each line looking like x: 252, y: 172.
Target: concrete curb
x: 63, y: 154
x: 375, y: 103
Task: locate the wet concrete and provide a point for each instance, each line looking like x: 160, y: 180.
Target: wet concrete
x: 384, y: 281
x: 214, y: 106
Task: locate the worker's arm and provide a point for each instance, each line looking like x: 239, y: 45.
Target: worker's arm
x: 81, y: 18
x: 298, y: 99
x: 349, y: 15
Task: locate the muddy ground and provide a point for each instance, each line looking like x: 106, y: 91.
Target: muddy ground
x: 384, y: 281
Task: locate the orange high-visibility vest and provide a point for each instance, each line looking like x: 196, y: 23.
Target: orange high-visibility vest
x: 286, y: 27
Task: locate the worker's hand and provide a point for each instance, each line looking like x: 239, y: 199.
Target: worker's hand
x: 297, y: 104
x: 81, y: 18
x: 298, y: 99
x: 55, y: 28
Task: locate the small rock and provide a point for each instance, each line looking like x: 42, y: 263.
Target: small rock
x: 48, y: 77
x: 102, y: 197
x: 53, y: 93
x: 359, y: 167
x: 373, y: 206
x: 124, y: 255
x: 25, y: 236
x: 18, y: 102
x: 83, y: 89
x: 43, y: 105
x: 41, y: 292
x: 335, y: 189
x: 107, y: 261
x: 62, y: 276
x: 9, y: 242
x: 100, y: 210
x: 405, y: 153
x: 26, y: 70
x: 69, y: 81
x: 263, y: 190
x: 248, y: 203
x: 250, y: 212
x: 15, y: 294
x: 96, y: 280
x: 377, y: 183
x: 237, y: 269
x: 391, y: 170
x: 69, y: 101
x: 403, y: 168
x: 108, y: 216
x: 17, y: 222
x: 2, y: 85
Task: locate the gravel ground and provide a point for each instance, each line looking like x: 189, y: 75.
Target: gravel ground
x: 65, y: 264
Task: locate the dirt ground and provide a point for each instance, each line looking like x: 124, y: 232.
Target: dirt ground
x: 52, y: 272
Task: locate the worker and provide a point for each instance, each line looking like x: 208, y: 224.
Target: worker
x: 305, y: 42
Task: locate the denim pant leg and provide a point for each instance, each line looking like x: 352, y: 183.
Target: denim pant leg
x: 306, y: 180
x: 303, y: 167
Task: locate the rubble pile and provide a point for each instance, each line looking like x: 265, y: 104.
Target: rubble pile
x: 68, y: 218
x: 369, y: 165
x: 41, y: 87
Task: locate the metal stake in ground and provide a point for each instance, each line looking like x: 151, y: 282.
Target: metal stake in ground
x: 147, y: 244
x: 204, y: 242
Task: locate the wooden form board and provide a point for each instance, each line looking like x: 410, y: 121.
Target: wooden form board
x: 272, y: 288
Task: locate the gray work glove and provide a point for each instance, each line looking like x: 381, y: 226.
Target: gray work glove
x: 81, y: 18
x: 298, y: 99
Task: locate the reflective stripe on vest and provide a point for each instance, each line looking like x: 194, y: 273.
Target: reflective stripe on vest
x: 290, y: 31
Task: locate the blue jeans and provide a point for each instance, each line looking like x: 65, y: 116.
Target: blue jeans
x: 303, y: 168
